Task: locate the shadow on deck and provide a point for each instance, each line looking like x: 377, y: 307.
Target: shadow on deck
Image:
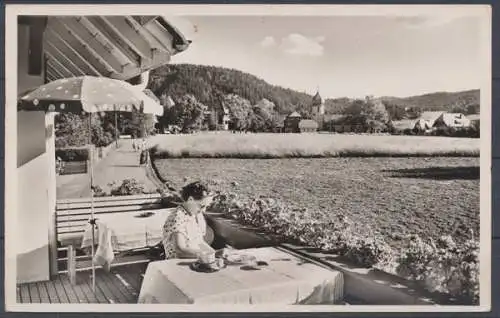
x: 119, y: 286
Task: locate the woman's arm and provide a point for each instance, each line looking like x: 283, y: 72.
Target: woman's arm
x: 185, y: 251
x: 206, y: 248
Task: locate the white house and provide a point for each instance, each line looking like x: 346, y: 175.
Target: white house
x: 429, y: 120
x: 50, y: 48
x: 474, y: 119
x: 456, y: 120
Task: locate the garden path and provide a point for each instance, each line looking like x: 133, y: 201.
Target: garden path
x: 121, y: 163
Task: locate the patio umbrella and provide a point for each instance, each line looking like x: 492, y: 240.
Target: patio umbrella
x: 88, y: 94
x: 150, y: 104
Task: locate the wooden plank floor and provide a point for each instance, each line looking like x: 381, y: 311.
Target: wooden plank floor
x: 121, y: 285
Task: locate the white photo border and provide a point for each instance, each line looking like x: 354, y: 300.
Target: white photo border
x: 13, y: 10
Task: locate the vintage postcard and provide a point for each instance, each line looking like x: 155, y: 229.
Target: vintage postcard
x: 248, y: 158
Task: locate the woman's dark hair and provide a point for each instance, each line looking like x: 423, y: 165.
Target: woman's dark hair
x: 196, y: 190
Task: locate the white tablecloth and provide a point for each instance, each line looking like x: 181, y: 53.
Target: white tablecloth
x: 118, y: 232
x: 286, y: 280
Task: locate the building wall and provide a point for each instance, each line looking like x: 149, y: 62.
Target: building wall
x: 25, y: 81
x: 292, y: 124
x: 452, y: 120
x: 36, y: 180
x: 319, y: 119
x: 32, y: 223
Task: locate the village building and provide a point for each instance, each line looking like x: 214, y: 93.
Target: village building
x: 294, y: 123
x: 455, y: 120
x: 291, y: 123
x: 207, y: 114
x: 439, y: 119
x: 474, y: 120
x: 403, y: 124
x: 308, y: 126
x: 222, y: 116
x: 426, y: 120
x: 318, y: 110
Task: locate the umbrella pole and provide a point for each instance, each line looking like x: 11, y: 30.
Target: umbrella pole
x: 92, y: 221
x: 116, y: 128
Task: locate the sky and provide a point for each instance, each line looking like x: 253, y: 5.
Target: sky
x: 343, y: 56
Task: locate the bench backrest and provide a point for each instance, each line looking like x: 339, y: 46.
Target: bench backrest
x: 72, y: 215
x: 74, y: 167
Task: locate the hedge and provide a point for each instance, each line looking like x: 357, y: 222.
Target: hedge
x: 72, y: 154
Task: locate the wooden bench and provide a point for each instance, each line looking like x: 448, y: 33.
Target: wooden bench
x: 73, y: 215
x: 73, y: 167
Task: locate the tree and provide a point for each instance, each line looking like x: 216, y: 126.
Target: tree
x: 204, y: 82
x: 369, y: 113
x: 354, y: 114
x: 375, y: 110
x: 136, y: 123
x: 72, y: 130
x: 264, y: 117
x: 266, y: 107
x: 473, y: 108
x: 240, y: 111
x: 187, y: 113
x: 396, y: 112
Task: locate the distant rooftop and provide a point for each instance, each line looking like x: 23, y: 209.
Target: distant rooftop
x: 474, y: 117
x: 431, y: 116
x: 294, y: 114
x: 317, y: 99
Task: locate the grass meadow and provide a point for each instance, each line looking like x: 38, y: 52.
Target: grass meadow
x: 227, y: 145
x: 430, y: 187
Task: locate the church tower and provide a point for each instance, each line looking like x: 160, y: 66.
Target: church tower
x: 318, y: 109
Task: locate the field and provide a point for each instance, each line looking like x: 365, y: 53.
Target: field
x: 227, y: 145
x: 430, y: 196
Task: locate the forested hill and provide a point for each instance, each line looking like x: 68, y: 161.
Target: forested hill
x: 208, y: 83
x: 438, y: 101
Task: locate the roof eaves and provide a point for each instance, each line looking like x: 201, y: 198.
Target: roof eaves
x: 180, y: 42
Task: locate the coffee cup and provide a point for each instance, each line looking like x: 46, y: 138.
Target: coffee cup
x: 207, y: 258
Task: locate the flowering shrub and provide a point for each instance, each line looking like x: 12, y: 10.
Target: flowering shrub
x: 304, y: 226
x: 98, y: 191
x: 443, y: 266
x: 127, y: 187
x: 437, y: 266
x: 368, y: 251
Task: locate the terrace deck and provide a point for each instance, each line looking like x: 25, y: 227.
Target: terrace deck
x: 121, y: 285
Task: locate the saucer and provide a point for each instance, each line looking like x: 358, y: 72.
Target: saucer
x: 206, y: 268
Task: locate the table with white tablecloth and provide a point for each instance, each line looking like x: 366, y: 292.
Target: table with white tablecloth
x: 118, y: 232
x: 287, y: 279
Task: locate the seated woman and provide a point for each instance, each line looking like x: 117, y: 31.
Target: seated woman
x: 184, y: 230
